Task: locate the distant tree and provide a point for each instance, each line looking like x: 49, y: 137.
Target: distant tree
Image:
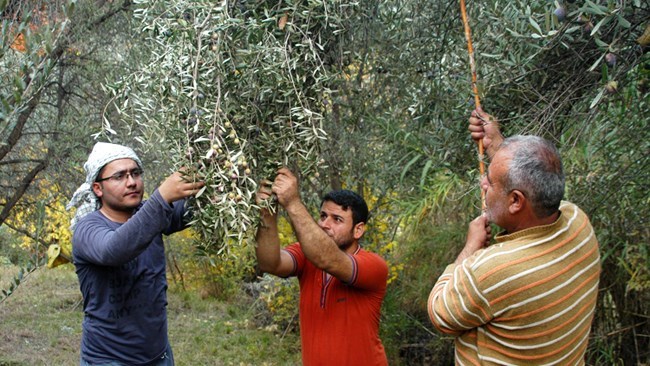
x: 53, y: 60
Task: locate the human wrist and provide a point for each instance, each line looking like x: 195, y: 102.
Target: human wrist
x: 294, y: 207
x: 168, y: 193
x: 468, y: 251
x: 462, y: 256
x: 161, y: 197
x: 267, y: 219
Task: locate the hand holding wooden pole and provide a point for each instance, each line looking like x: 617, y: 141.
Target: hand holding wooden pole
x: 477, y: 101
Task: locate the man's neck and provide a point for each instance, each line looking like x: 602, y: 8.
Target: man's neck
x: 352, y: 248
x: 534, y: 222
x: 116, y: 216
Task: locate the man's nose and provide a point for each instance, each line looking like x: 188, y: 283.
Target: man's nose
x: 323, y: 223
x: 130, y: 180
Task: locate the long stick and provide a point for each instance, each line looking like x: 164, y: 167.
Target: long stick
x: 477, y: 101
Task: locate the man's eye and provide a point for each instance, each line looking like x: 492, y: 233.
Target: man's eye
x: 119, y: 176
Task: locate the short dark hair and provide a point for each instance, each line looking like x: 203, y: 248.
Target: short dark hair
x: 348, y: 199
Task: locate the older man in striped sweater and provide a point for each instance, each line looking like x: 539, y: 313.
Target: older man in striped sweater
x: 529, y: 299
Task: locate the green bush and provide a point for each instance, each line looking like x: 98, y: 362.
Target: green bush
x: 281, y: 298
x: 10, y: 248
x: 216, y: 275
x: 406, y: 330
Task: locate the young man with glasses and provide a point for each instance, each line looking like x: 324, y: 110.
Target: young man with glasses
x: 119, y: 255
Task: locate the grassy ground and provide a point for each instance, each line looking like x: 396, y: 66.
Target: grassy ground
x: 40, y: 324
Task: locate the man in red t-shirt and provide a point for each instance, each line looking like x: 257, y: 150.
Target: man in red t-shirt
x: 342, y: 286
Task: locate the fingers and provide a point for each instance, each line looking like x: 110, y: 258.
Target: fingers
x: 285, y: 180
x: 284, y: 172
x: 176, y: 186
x: 481, y: 220
x: 265, y: 187
x: 477, y: 236
x: 480, y: 118
x: 481, y: 125
x: 185, y: 183
x: 186, y: 187
x: 476, y: 119
x: 264, y: 191
x: 476, y: 129
x: 488, y: 229
x: 285, y: 187
x: 193, y: 188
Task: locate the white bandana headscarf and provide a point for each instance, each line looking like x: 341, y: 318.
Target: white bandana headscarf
x: 84, y: 198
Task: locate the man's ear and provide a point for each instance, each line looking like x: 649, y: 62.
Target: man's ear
x: 516, y: 201
x: 97, y: 189
x: 359, y: 229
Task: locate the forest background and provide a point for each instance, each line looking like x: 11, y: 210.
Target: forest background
x: 373, y: 96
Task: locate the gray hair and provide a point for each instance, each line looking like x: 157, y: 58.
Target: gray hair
x: 536, y: 170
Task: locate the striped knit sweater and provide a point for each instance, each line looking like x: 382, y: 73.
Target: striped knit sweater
x: 527, y: 300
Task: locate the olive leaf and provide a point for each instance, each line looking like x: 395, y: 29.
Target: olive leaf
x: 234, y: 91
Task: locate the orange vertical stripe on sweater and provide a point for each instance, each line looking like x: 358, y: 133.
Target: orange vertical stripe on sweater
x: 473, y: 301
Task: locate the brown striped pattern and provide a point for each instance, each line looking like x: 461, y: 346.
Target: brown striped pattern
x: 527, y: 300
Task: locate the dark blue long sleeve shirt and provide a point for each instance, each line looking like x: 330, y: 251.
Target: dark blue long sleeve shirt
x: 121, y: 271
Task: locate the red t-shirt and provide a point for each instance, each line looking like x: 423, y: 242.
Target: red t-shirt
x: 339, y: 322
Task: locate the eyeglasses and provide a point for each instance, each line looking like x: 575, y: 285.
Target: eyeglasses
x: 121, y: 176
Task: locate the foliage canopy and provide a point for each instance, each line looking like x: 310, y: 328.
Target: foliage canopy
x: 371, y: 96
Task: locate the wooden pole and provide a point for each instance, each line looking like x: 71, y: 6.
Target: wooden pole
x: 477, y: 101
